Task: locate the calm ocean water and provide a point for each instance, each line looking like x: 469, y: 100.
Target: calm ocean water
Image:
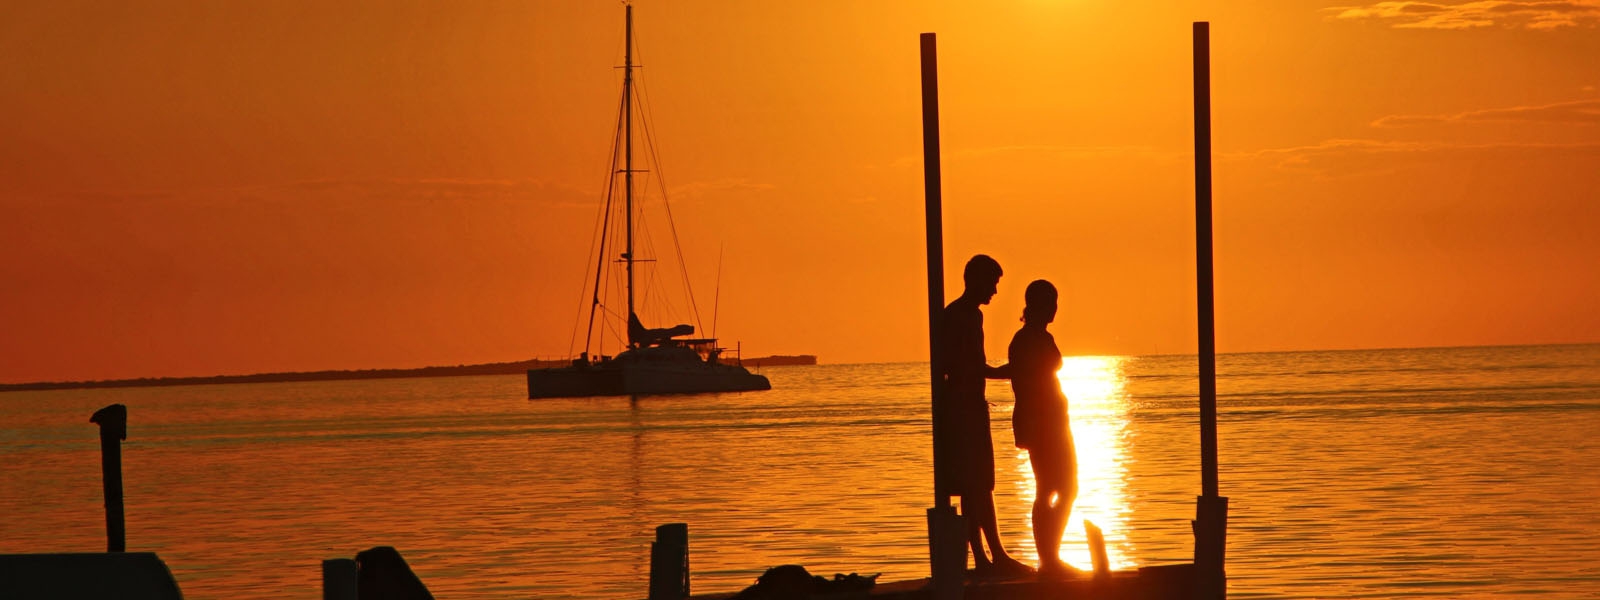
x: 1464, y: 472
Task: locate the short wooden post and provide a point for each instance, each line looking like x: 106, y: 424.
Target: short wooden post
x: 1210, y: 546
x: 669, y: 562
x: 339, y: 579
x: 113, y: 422
x: 947, y: 540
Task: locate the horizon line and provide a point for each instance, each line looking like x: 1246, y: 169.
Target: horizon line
x: 418, y: 372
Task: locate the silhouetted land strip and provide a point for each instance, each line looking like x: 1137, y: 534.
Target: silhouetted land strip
x: 502, y: 368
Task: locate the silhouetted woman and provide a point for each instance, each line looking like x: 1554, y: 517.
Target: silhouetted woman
x: 1040, y: 423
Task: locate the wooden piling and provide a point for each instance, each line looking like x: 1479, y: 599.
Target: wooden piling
x: 1211, y: 509
x: 933, y: 211
x: 669, y: 562
x: 947, y: 536
x: 113, y: 422
x: 339, y: 579
x: 1205, y: 295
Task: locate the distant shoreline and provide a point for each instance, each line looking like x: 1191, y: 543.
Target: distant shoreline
x: 502, y: 368
x: 780, y: 360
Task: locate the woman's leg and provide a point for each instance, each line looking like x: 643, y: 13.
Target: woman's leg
x: 1048, y: 522
x: 1066, y: 486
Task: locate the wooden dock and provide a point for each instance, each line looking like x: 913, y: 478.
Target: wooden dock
x: 1165, y: 581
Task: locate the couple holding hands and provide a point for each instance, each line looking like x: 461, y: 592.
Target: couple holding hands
x: 1039, y: 420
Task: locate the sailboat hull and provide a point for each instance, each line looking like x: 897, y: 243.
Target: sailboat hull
x: 627, y: 379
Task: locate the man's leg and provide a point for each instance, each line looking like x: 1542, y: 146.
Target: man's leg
x: 980, y: 562
x: 985, y: 511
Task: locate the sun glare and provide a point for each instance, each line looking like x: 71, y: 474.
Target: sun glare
x: 1097, y: 405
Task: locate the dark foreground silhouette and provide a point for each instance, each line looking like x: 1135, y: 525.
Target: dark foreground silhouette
x: 793, y: 582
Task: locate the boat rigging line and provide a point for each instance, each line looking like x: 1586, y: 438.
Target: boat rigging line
x: 647, y: 119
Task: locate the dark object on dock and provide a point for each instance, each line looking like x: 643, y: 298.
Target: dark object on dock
x: 1097, y: 549
x: 111, y: 575
x: 793, y: 582
x: 669, y: 562
x: 341, y: 579
x: 384, y: 575
x: 113, y: 422
x: 1163, y: 582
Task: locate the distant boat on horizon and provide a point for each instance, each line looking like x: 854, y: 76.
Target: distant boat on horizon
x: 655, y: 360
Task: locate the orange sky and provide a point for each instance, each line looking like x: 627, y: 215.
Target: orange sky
x: 194, y: 188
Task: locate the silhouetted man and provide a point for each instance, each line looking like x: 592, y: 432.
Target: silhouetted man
x: 966, y: 462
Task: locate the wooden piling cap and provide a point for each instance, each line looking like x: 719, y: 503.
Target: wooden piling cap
x: 113, y: 420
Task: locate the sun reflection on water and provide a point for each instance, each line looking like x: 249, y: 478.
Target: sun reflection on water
x: 1097, y: 405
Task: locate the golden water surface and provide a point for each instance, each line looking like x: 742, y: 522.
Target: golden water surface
x: 1445, y: 472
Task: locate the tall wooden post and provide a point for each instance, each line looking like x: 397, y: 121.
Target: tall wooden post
x: 1211, y: 509
x: 934, y: 211
x: 113, y: 422
x: 1203, y: 270
x: 947, y: 545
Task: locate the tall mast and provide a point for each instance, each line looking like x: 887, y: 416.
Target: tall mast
x: 627, y: 128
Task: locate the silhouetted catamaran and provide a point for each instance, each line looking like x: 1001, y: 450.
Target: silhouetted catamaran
x: 654, y: 361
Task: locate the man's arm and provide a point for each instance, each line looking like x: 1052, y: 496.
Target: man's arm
x: 1000, y: 372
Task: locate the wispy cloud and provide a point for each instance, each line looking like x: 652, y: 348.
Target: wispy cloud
x: 380, y: 189
x: 1048, y: 151
x: 699, y: 189
x: 1579, y: 112
x: 1353, y: 157
x: 415, y: 190
x: 1529, y: 14
x: 440, y: 188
